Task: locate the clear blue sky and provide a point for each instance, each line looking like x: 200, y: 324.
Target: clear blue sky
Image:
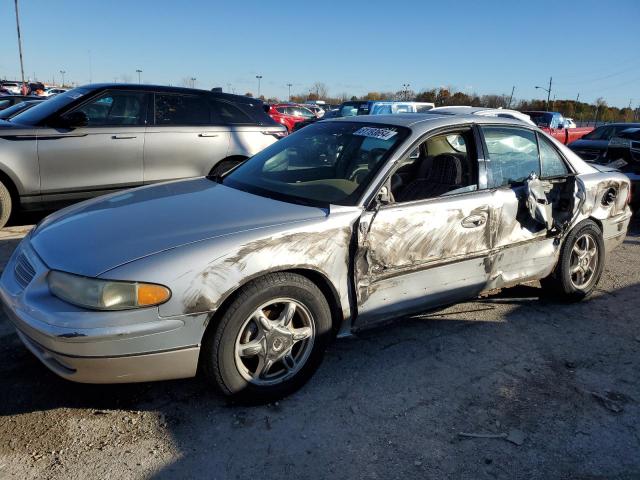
x: 590, y: 47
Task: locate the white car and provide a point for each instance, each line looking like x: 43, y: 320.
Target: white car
x: 13, y: 87
x: 485, y: 112
x: 569, y: 123
x: 54, y: 91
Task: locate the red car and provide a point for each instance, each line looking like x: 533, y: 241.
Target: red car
x: 288, y: 114
x: 554, y: 124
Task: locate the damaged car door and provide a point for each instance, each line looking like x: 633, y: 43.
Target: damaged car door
x: 424, y: 240
x: 535, y: 199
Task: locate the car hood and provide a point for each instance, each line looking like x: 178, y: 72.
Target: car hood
x: 595, y: 144
x: 98, y: 235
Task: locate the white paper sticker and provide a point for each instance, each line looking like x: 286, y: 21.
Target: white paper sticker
x: 381, y: 133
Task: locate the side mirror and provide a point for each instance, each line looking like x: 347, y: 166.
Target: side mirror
x: 75, y: 119
x: 384, y: 196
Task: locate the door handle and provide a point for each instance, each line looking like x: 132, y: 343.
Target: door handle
x: 122, y: 137
x: 474, y: 220
x: 205, y: 134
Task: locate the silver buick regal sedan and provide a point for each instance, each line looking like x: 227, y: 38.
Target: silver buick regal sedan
x: 247, y: 276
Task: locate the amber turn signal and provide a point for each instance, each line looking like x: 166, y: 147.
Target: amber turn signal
x: 149, y: 294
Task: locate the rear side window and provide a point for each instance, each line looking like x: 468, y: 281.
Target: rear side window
x: 228, y: 113
x: 171, y: 109
x: 551, y: 163
x: 513, y: 155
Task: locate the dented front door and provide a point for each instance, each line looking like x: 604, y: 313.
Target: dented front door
x: 422, y: 254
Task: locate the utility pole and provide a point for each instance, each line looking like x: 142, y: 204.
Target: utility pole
x: 289, y: 85
x: 193, y: 82
x: 513, y: 89
x: 139, y: 71
x: 62, y: 72
x: 259, y: 77
x: 576, y: 109
x: 19, y: 44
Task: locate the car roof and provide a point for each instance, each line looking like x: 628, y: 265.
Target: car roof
x: 168, y: 89
x: 423, y: 122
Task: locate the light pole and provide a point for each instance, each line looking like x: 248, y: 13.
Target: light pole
x: 259, y: 77
x: 289, y: 85
x: 548, y: 90
x: 193, y: 82
x: 138, y: 71
x: 20, y: 45
x: 406, y: 90
x: 62, y: 72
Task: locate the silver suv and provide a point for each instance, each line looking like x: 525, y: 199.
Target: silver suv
x: 99, y: 138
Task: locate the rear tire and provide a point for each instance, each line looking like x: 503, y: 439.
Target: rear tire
x: 254, y: 354
x: 6, y: 205
x: 579, y: 266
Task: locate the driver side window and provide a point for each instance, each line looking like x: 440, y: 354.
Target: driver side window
x: 444, y: 164
x: 115, y: 108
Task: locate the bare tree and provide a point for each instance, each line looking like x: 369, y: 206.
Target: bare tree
x: 320, y: 89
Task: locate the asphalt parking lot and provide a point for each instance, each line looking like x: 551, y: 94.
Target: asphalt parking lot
x: 508, y: 386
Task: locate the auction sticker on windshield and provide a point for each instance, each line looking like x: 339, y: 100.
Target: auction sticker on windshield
x: 381, y: 133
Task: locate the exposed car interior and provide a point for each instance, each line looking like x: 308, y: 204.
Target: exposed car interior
x: 442, y: 165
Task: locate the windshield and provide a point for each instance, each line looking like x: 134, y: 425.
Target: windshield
x: 541, y: 119
x: 35, y: 115
x: 605, y: 132
x: 11, y: 111
x: 326, y: 162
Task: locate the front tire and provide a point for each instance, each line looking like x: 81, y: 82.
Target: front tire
x: 269, y: 341
x: 6, y: 205
x: 580, y: 264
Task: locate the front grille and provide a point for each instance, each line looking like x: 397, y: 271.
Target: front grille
x: 24, y: 271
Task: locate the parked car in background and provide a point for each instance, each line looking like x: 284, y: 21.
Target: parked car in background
x: 7, y: 101
x: 99, y: 138
x: 12, y: 87
x: 485, y: 112
x: 593, y: 146
x: 347, y: 223
x: 54, y: 91
x: 379, y: 107
x: 354, y: 107
x: 386, y: 108
x: 288, y: 114
x: 13, y: 110
x: 569, y: 123
x: 554, y: 124
x: 615, y: 146
x: 317, y: 110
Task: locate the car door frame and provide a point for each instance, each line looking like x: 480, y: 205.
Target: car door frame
x: 373, y: 286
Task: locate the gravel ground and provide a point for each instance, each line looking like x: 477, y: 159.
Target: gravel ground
x: 541, y: 391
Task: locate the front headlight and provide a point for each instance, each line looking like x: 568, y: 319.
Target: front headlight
x: 100, y: 294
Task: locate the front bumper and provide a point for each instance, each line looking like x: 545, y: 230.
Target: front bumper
x: 91, y: 346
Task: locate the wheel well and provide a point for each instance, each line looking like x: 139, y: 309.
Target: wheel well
x: 597, y: 222
x: 232, y: 158
x: 322, y: 282
x: 6, y: 180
